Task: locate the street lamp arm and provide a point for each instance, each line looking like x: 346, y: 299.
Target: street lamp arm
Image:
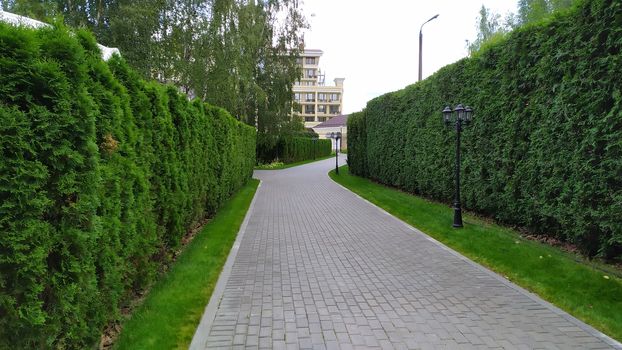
x: 433, y: 18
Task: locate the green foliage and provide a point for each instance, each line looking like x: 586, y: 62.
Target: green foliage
x: 296, y: 149
x: 531, y: 11
x: 101, y: 173
x: 491, y: 30
x: 272, y: 166
x: 589, y: 290
x: 170, y: 313
x: 290, y: 149
x: 236, y: 54
x: 357, y: 143
x: 545, y: 149
x: 489, y: 26
x: 42, y: 9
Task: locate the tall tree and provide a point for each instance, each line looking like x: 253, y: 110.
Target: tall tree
x: 252, y: 67
x: 536, y: 10
x: 237, y: 54
x: 488, y: 26
x: 42, y: 10
x: 533, y: 10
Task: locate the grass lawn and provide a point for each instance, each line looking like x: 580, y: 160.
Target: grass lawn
x: 172, y: 310
x: 588, y: 291
x: 281, y: 165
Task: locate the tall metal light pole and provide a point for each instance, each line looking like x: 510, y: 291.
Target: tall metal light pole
x: 421, y: 46
x: 458, y: 117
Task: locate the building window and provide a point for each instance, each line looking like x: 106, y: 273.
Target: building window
x: 321, y: 108
x: 334, y: 98
x: 334, y: 110
x: 310, y: 60
x: 309, y: 109
x: 322, y: 119
x: 309, y: 119
x: 310, y: 97
x: 297, y: 96
x: 321, y: 97
x: 299, y: 61
x: 310, y: 73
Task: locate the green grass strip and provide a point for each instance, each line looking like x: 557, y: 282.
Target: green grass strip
x: 168, y: 317
x: 280, y: 166
x: 587, y: 290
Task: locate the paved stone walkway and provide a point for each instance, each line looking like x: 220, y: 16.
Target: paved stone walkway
x: 319, y: 268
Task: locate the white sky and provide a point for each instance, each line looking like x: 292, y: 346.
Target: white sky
x: 374, y: 45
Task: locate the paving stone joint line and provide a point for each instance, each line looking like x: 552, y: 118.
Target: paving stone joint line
x: 316, y: 267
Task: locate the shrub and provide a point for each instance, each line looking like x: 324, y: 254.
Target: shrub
x: 291, y: 149
x: 357, y: 142
x: 101, y: 174
x: 296, y: 149
x: 545, y: 149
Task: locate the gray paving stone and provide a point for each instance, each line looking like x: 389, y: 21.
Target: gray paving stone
x: 319, y: 268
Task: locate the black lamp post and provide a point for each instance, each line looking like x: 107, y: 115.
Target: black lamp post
x: 421, y: 46
x: 457, y: 117
x: 336, y: 136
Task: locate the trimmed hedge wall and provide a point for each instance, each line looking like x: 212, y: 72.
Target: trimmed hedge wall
x: 545, y: 149
x: 101, y: 174
x: 296, y: 149
x: 357, y: 143
x: 291, y: 149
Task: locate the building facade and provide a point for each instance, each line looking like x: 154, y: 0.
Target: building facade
x: 314, y: 101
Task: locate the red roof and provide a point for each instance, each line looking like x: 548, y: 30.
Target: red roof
x: 340, y: 120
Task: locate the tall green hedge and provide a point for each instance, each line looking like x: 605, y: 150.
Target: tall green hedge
x: 357, y: 143
x: 296, y: 149
x: 545, y: 149
x: 291, y: 149
x: 101, y: 174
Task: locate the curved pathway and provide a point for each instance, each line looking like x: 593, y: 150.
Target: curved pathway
x: 317, y: 267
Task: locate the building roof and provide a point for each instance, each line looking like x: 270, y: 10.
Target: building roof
x: 340, y: 120
x: 312, y: 52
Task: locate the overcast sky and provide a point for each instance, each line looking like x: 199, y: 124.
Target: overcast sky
x: 374, y: 44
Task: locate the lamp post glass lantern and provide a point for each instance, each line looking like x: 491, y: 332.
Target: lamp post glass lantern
x: 458, y: 117
x: 336, y: 136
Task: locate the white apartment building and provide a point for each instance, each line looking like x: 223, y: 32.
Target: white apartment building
x: 314, y: 101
